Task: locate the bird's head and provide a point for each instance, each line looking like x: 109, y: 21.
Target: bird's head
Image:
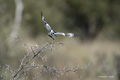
x: 50, y: 36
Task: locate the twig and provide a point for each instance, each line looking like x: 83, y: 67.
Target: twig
x: 22, y: 66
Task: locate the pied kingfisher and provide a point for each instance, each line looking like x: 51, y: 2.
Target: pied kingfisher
x: 53, y: 33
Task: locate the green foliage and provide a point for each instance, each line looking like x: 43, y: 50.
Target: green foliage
x: 87, y: 17
x: 92, y: 16
x: 32, y: 16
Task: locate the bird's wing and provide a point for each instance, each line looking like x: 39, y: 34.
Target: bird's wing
x: 45, y: 23
x: 59, y: 33
x: 65, y: 34
x: 70, y: 34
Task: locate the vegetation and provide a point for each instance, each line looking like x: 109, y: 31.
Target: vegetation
x: 32, y: 55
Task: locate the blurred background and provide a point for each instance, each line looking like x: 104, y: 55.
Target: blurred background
x: 96, y: 45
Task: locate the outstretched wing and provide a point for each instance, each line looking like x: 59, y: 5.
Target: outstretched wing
x: 65, y: 34
x: 70, y: 34
x: 59, y: 33
x: 45, y: 23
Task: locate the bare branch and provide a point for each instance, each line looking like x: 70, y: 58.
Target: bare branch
x: 23, y: 65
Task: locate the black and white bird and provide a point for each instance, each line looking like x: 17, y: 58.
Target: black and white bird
x: 53, y: 33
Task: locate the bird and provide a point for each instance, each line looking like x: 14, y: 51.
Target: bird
x: 53, y: 33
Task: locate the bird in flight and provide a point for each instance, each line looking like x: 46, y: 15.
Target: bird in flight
x: 53, y: 33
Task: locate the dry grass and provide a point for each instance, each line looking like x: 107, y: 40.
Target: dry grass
x: 74, y: 60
